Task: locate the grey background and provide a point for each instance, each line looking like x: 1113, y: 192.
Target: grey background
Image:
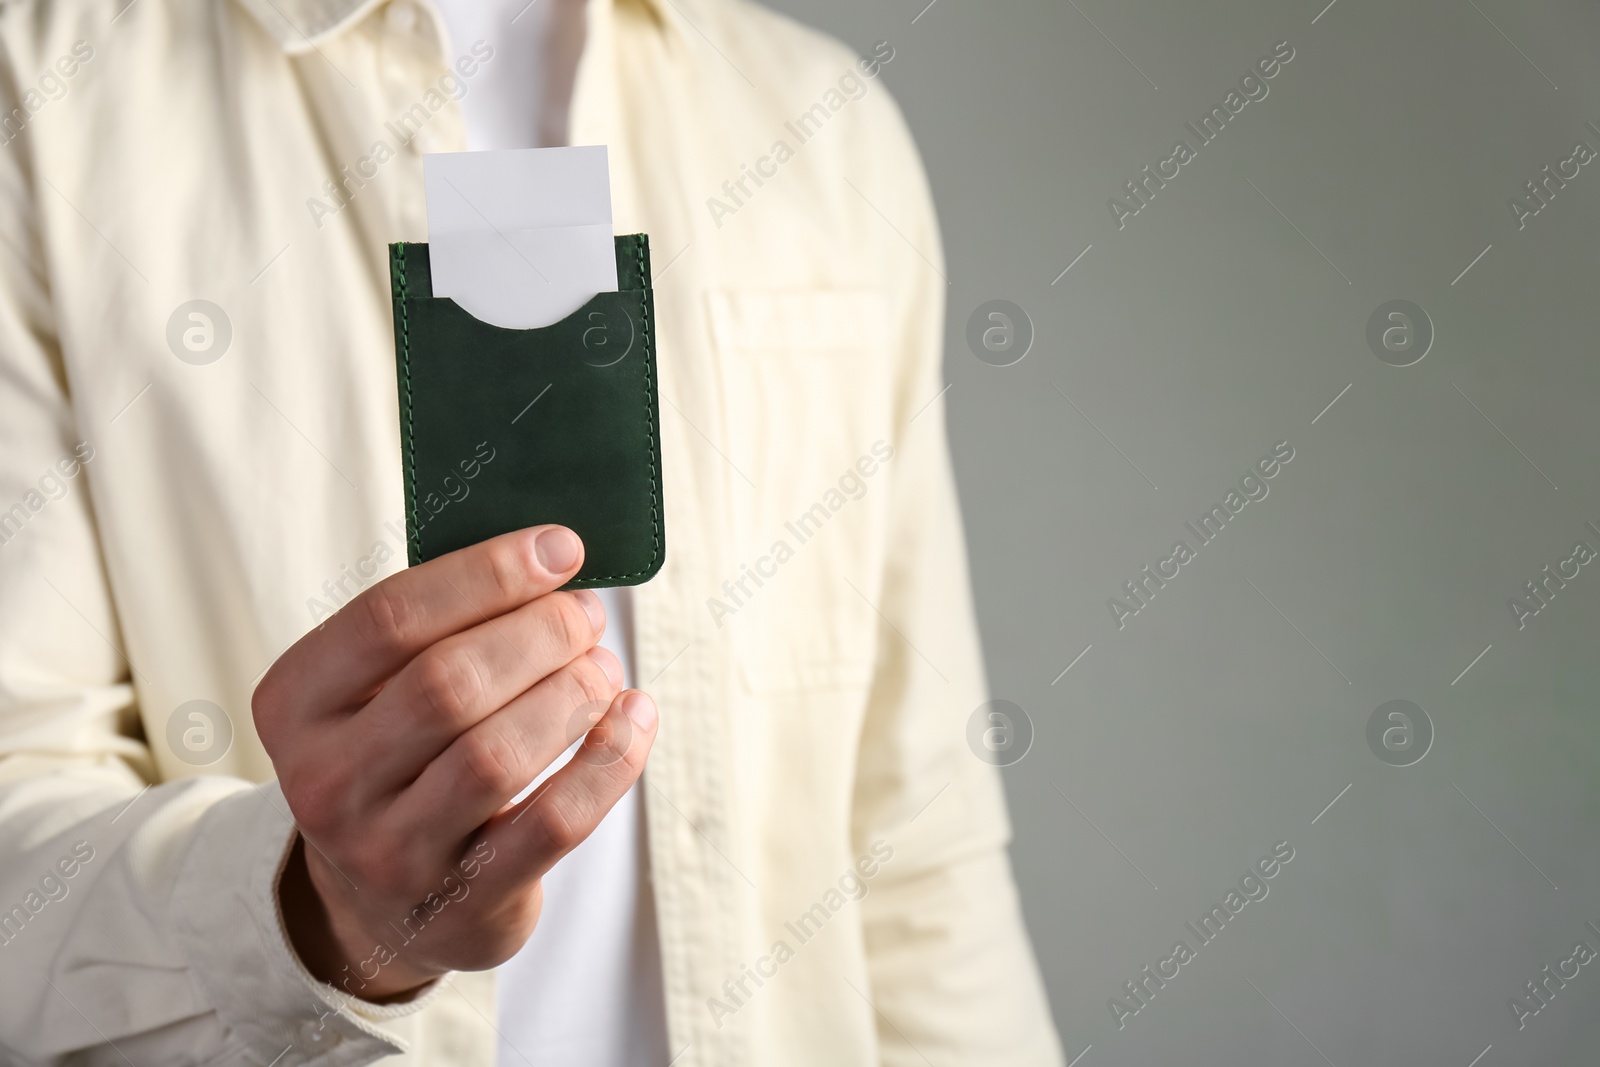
x: 1195, y: 338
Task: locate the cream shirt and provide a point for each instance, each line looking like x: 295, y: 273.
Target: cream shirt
x: 185, y: 489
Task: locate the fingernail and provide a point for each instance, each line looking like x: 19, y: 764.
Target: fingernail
x: 641, y: 709
x: 609, y: 664
x: 597, y: 611
x: 557, y: 549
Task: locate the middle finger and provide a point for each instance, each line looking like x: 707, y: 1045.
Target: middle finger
x: 456, y: 683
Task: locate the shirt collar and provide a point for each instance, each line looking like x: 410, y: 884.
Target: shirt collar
x: 302, y: 25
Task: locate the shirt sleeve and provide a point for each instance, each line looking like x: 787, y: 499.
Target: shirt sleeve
x: 138, y: 920
x: 953, y: 975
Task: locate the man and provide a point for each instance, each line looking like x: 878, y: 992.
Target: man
x: 254, y: 804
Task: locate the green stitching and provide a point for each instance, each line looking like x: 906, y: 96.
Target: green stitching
x: 414, y: 527
x: 649, y: 406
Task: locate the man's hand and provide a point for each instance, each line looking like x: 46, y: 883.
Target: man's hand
x: 402, y: 728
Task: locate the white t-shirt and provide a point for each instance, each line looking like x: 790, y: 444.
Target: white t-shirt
x: 586, y: 988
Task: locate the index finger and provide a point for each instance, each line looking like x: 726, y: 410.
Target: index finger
x: 343, y: 662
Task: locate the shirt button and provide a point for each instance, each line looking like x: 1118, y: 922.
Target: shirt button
x: 401, y: 16
x: 315, y: 1036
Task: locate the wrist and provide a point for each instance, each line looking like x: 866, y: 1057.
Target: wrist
x: 331, y: 942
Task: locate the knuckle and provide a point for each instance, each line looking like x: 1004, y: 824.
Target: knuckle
x: 388, y: 619
x: 496, y: 763
x: 611, y: 751
x: 446, y: 684
x: 510, y: 567
x: 590, y: 686
x: 562, y: 826
x: 570, y: 625
x: 629, y: 751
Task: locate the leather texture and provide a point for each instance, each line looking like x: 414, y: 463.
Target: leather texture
x: 503, y: 429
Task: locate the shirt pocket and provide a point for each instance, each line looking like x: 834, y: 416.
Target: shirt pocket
x: 808, y: 376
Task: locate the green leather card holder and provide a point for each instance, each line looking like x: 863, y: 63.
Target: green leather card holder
x: 503, y: 429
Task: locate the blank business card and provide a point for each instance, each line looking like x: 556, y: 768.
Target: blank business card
x: 520, y: 238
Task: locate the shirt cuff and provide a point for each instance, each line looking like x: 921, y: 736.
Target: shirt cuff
x: 227, y: 920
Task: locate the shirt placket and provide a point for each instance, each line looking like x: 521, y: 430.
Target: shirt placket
x: 419, y: 114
